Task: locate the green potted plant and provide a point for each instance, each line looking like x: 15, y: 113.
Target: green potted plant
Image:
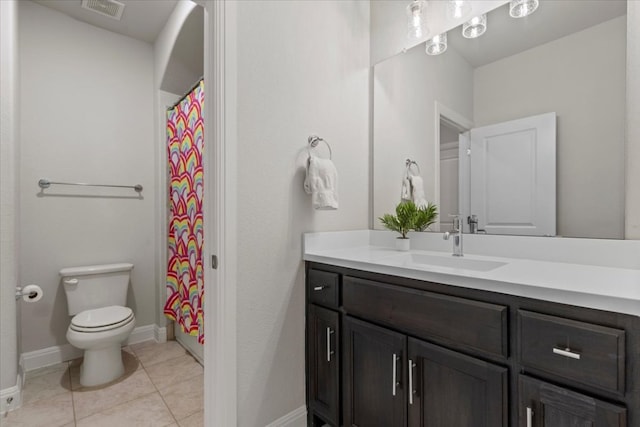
x: 425, y: 216
x: 402, y: 222
x: 409, y: 217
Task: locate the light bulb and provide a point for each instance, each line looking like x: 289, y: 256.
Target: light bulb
x: 475, y: 27
x: 522, y: 8
x: 416, y: 28
x: 457, y: 9
x: 437, y: 45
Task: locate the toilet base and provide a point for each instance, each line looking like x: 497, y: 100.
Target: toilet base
x: 101, y: 366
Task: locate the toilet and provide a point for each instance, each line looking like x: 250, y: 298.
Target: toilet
x: 96, y: 297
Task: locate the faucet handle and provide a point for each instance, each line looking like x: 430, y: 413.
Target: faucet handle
x: 457, y: 223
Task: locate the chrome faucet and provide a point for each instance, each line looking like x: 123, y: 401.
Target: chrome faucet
x: 457, y: 235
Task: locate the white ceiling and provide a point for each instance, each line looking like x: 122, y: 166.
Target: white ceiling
x: 507, y: 36
x: 141, y: 19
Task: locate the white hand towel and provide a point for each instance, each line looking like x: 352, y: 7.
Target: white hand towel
x: 322, y: 183
x: 405, y: 193
x: 417, y: 192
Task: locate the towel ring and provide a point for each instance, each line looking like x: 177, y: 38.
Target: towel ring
x: 313, y: 143
x: 410, y: 163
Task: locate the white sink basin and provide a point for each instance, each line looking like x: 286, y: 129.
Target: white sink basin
x: 424, y: 261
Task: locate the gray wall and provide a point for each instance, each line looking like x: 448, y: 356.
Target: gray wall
x: 303, y: 69
x: 591, y: 81
x: 87, y: 115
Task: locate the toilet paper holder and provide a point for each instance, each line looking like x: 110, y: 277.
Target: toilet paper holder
x: 20, y: 293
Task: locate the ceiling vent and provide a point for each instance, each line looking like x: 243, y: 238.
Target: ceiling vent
x: 111, y: 8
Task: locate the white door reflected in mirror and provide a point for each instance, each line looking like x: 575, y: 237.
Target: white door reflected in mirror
x: 513, y: 176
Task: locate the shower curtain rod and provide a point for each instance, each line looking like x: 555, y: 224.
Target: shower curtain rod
x: 195, y: 85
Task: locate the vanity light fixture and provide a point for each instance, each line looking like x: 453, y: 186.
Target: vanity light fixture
x: 475, y: 27
x: 437, y: 44
x: 458, y: 9
x: 522, y: 8
x: 416, y: 28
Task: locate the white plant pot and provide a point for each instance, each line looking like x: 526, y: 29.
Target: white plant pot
x: 403, y: 244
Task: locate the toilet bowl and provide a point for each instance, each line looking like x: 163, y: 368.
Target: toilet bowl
x: 100, y: 333
x: 96, y: 298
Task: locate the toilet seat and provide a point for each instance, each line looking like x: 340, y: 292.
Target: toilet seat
x: 101, y: 319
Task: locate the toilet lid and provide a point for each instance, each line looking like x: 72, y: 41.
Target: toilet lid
x: 101, y: 318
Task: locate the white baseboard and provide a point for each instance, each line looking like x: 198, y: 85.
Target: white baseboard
x: 11, y: 398
x: 160, y: 334
x: 141, y: 334
x: 21, y: 371
x: 49, y: 356
x: 296, y: 418
x: 62, y: 353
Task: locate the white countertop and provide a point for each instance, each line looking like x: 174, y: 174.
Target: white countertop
x: 601, y: 287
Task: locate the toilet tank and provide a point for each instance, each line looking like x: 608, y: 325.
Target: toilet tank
x: 95, y: 286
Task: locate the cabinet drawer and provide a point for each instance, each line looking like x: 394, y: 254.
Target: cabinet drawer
x: 589, y: 354
x: 324, y: 288
x: 455, y: 322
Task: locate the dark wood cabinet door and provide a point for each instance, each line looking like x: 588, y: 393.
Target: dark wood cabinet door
x: 546, y: 405
x: 373, y: 358
x: 323, y: 340
x: 449, y: 389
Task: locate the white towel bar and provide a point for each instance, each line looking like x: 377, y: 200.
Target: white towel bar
x: 45, y: 183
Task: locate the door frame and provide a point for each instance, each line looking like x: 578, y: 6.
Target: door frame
x: 462, y: 124
x: 220, y: 71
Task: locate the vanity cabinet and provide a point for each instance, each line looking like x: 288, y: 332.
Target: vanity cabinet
x: 390, y: 351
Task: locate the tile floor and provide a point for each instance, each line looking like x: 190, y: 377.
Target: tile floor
x: 162, y: 386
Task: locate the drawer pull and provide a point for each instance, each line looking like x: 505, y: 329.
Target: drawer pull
x: 411, y: 390
x: 329, y: 351
x: 529, y: 417
x: 319, y: 288
x: 394, y: 374
x: 566, y: 353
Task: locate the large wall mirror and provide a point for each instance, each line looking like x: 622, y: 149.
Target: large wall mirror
x: 567, y: 58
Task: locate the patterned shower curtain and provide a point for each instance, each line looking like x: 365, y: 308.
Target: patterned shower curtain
x: 185, y: 281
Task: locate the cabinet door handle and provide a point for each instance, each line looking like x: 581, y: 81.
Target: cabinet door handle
x: 395, y: 374
x: 329, y: 352
x: 319, y: 288
x: 411, y: 390
x: 566, y: 353
x: 529, y: 417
